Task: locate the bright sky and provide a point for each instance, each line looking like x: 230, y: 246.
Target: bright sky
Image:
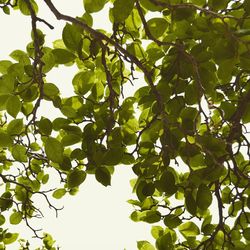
x: 98, y: 217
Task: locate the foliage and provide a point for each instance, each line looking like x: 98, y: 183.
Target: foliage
x: 184, y: 131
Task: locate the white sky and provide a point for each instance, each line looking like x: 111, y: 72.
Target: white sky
x: 98, y: 217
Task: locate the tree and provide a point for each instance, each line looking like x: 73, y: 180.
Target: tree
x: 184, y: 132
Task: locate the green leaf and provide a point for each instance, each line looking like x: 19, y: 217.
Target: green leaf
x: 50, y: 89
x: 70, y: 139
x: 4, y: 65
x: 49, y: 61
x: 10, y: 238
x: 7, y: 84
x: 54, y: 150
x: 75, y: 178
x: 190, y: 203
x: 83, y: 82
x: 144, y: 245
x: 19, y: 153
x: 189, y: 229
x: 63, y: 56
x: 2, y: 220
x: 113, y: 156
x: 45, y: 126
x: 167, y: 183
x: 172, y: 221
x: 122, y: 9
x: 13, y: 105
x: 246, y: 6
x: 24, y: 7
x: 16, y: 218
x: 15, y: 127
x: 203, y: 197
x: 72, y: 37
x: 151, y: 216
x: 157, y: 26
x: 93, y: 5
x: 5, y: 139
x: 103, y: 176
x: 59, y: 193
x: 165, y: 242
x: 246, y: 233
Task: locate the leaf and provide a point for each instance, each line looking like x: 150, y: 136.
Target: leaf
x: 49, y: 61
x: 5, y: 140
x: 4, y: 65
x: 16, y: 218
x: 10, y: 238
x: 45, y: 126
x: 93, y: 5
x: 144, y: 245
x: 15, y: 127
x: 103, y: 176
x: 63, y: 56
x: 190, y: 203
x: 2, y: 220
x: 13, y: 105
x: 72, y: 37
x: 157, y: 26
x: 246, y: 6
x: 113, y: 156
x: 165, y: 242
x: 122, y: 9
x: 151, y: 216
x: 70, y: 139
x: 83, y: 82
x: 246, y: 233
x: 54, y: 150
x: 172, y: 221
x: 189, y: 229
x: 203, y: 197
x: 24, y: 7
x: 19, y: 153
x: 50, y: 89
x: 59, y: 193
x: 167, y: 183
x: 75, y: 178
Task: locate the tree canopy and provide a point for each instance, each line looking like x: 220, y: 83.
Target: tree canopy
x: 184, y: 131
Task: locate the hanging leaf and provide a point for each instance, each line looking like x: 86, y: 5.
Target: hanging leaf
x: 75, y: 178
x: 19, y: 153
x: 122, y: 9
x: 189, y: 229
x: 54, y: 150
x: 13, y: 105
x: 203, y: 197
x: 93, y: 5
x: 72, y: 37
x: 103, y: 176
x: 63, y: 56
x: 16, y: 218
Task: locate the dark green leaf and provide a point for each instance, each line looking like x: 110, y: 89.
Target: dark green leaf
x: 75, y: 178
x: 122, y: 9
x: 54, y: 150
x: 63, y: 56
x: 103, y: 176
x: 203, y: 197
